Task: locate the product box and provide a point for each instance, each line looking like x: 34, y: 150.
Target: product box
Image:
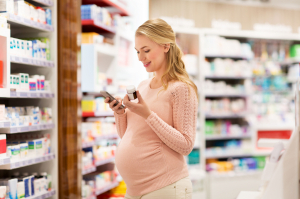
x: 37, y: 80
x: 48, y: 16
x: 19, y: 7
x: 29, y: 49
x: 2, y: 145
x: 14, y: 82
x: 7, y: 6
x: 32, y: 84
x: 23, y: 81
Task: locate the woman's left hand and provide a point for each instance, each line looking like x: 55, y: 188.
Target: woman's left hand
x: 140, y: 108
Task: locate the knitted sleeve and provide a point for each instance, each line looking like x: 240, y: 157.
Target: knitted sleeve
x: 121, y: 123
x: 181, y: 137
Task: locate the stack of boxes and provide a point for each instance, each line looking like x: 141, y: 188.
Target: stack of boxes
x: 33, y: 48
x: 26, y: 10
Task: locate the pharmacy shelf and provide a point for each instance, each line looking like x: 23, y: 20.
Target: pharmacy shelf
x: 4, y: 124
x: 114, y: 7
x: 225, y: 116
x: 234, y: 173
x: 27, y: 162
x: 106, y: 188
x: 4, y: 161
x: 20, y: 22
x: 47, y: 194
x: 226, y: 137
x: 103, y: 162
x: 47, y: 3
x: 274, y: 127
x: 225, y: 57
x: 227, y: 77
x: 225, y: 95
x: 31, y: 94
x: 24, y: 129
x: 31, y: 62
x: 227, y: 155
x: 97, y: 139
x: 96, y: 26
x: 98, y: 114
x: 89, y: 170
x: 104, y: 49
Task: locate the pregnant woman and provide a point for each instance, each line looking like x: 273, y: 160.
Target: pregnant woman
x: 158, y: 130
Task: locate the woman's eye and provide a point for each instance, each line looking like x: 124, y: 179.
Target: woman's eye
x: 138, y: 52
x: 147, y: 51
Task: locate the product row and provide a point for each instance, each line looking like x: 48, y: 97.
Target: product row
x: 26, y: 116
x: 273, y: 50
x: 28, y: 11
x: 94, y: 105
x: 92, y: 130
x: 230, y: 147
x: 225, y: 128
x: 23, y: 146
x: 216, y: 45
x: 91, y: 184
x: 24, y: 82
x: 95, y: 38
x: 225, y: 106
x: 37, y: 48
x: 25, y: 186
x: 237, y: 165
x: 270, y: 83
x: 221, y: 87
x: 94, y: 12
x: 97, y: 153
x: 228, y: 67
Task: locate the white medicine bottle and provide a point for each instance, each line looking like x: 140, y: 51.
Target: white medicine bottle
x: 131, y: 91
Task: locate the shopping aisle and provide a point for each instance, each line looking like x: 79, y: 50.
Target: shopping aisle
x: 28, y: 98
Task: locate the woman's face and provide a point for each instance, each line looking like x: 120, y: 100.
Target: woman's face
x: 152, y: 55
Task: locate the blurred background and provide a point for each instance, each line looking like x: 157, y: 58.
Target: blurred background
x: 56, y: 55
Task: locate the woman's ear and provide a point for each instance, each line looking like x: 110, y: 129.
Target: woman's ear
x: 166, y: 48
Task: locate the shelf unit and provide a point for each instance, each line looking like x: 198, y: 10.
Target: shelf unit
x: 254, y: 126
x: 26, y: 162
x: 113, y: 7
x: 24, y: 129
x: 23, y: 28
x: 105, y: 59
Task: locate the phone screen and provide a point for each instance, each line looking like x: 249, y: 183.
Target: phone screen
x: 111, y: 98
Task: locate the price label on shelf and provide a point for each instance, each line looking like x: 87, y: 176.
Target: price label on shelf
x: 23, y: 94
x: 30, y: 161
x: 33, y: 95
x: 38, y: 160
x: 17, y: 59
x: 25, y: 60
x: 24, y: 128
x: 17, y: 164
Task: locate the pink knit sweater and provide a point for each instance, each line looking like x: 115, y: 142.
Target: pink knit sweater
x: 151, y: 153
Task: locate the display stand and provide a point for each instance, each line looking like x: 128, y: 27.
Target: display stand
x: 24, y: 28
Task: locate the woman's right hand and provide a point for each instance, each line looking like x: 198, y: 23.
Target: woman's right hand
x: 115, y: 108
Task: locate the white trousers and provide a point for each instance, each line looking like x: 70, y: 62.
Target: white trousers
x: 182, y: 189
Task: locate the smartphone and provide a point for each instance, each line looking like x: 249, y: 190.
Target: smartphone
x: 111, y: 98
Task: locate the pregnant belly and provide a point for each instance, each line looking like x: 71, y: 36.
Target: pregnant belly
x: 139, y: 164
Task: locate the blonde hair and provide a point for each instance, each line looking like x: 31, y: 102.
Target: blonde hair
x: 162, y: 33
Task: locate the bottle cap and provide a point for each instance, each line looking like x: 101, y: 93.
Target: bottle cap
x: 130, y: 89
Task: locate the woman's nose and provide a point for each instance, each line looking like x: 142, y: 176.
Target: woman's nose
x: 141, y: 57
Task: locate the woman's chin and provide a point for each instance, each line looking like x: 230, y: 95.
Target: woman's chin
x: 149, y: 70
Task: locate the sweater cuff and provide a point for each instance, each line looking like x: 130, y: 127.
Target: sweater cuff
x: 120, y: 115
x: 151, y: 117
